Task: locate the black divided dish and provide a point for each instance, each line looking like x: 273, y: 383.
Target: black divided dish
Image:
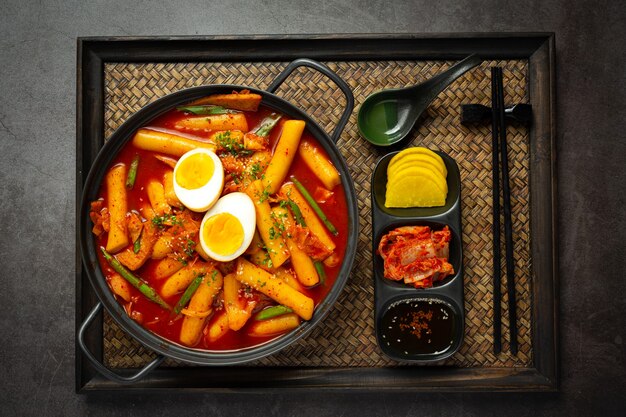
x: 447, y: 294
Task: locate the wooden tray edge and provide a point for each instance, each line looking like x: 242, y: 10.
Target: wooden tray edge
x: 539, y: 48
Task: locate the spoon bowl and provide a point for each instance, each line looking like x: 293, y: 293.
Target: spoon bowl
x: 387, y: 116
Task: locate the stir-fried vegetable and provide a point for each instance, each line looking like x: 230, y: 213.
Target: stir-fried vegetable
x: 273, y: 311
x: 266, y: 125
x: 136, y: 282
x: 318, y: 210
x: 207, y: 109
x: 137, y: 245
x: 191, y: 289
x: 321, y: 272
x: 296, y: 213
x: 132, y: 173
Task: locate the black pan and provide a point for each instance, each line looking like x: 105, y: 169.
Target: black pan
x: 88, y: 248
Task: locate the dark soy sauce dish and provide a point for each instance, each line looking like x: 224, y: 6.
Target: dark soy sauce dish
x: 420, y: 325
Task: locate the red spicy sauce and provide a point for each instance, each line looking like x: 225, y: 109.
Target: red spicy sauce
x: 158, y: 320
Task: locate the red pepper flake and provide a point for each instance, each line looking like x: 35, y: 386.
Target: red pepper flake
x: 417, y: 322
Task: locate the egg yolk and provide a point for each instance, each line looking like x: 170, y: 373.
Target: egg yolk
x: 195, y: 171
x: 223, y: 233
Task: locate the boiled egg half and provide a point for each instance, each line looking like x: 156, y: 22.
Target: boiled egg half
x: 198, y: 179
x: 227, y: 228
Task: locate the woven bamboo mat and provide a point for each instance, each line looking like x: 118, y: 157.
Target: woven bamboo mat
x: 346, y: 336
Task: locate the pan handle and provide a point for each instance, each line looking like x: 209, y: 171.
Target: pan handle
x: 99, y: 366
x: 305, y: 62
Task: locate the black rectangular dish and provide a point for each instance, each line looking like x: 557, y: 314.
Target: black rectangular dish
x: 95, y: 56
x: 390, y: 294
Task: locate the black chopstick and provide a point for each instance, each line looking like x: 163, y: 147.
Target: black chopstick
x: 508, y: 223
x: 495, y: 178
x: 499, y: 145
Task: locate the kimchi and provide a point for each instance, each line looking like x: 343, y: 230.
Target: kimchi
x: 416, y: 255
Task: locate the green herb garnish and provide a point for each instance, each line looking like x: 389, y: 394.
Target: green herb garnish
x: 166, y: 220
x: 230, y: 144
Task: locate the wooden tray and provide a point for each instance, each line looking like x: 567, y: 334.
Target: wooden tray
x: 107, y: 66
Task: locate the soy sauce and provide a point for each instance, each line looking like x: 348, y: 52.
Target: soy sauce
x: 417, y: 326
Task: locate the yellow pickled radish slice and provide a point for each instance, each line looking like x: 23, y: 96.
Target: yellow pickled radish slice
x: 414, y: 191
x: 418, y: 151
x: 433, y: 175
x: 420, y: 160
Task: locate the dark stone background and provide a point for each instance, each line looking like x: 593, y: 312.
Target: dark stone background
x: 37, y: 195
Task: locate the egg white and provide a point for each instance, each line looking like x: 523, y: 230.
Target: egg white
x: 202, y: 198
x: 241, y: 206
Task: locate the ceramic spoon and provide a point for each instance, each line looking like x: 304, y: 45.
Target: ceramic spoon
x: 387, y: 116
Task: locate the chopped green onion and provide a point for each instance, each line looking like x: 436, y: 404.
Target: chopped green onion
x: 318, y: 210
x: 191, y: 289
x: 274, y: 311
x: 132, y: 173
x: 296, y: 212
x: 137, y: 243
x: 136, y: 282
x: 204, y: 110
x: 321, y: 272
x: 267, y: 125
